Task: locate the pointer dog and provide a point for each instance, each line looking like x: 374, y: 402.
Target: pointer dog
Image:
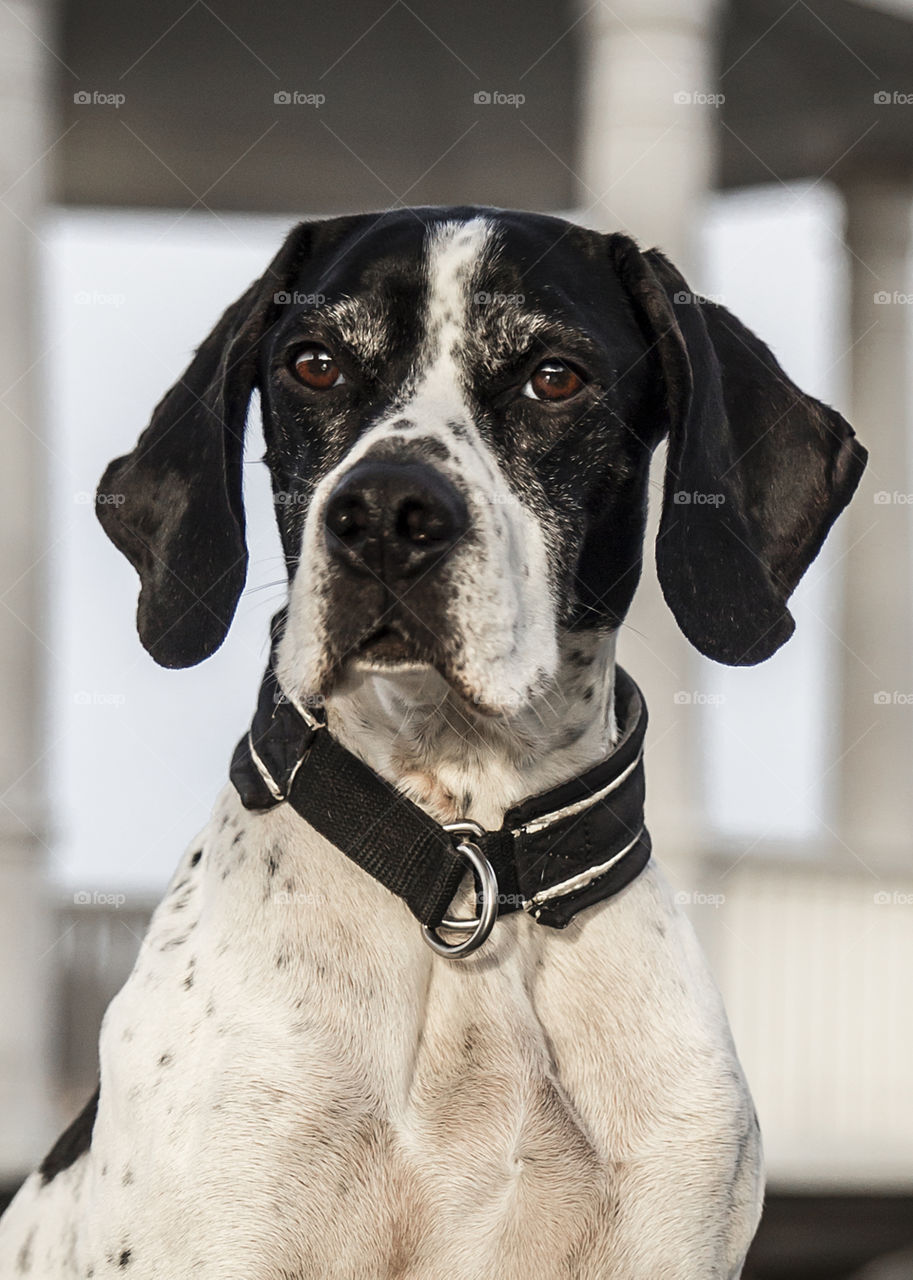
x: 460, y: 406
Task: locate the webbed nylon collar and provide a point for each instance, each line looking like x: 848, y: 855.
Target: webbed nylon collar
x: 555, y: 854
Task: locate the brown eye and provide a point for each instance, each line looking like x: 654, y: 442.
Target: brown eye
x: 553, y: 380
x: 316, y: 367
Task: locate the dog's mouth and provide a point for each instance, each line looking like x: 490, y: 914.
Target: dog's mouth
x: 388, y: 645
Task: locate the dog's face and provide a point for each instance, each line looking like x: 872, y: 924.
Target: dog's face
x: 460, y: 406
x: 455, y: 410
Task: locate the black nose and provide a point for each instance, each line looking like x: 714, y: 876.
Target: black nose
x: 393, y: 519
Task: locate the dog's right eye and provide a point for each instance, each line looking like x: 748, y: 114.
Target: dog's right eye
x: 316, y: 367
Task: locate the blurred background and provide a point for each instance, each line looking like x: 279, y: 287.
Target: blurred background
x: 151, y: 158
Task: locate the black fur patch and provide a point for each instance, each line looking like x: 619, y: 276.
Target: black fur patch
x: 72, y: 1143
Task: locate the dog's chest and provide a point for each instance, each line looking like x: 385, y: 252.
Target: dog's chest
x: 292, y: 1086
x: 283, y: 1076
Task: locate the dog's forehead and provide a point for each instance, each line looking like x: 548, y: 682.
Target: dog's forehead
x: 457, y: 264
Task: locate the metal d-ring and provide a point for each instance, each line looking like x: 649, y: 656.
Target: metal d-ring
x: 480, y: 926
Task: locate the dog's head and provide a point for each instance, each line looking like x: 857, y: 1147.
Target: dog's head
x: 459, y: 407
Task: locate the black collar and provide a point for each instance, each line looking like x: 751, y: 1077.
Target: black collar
x: 555, y: 854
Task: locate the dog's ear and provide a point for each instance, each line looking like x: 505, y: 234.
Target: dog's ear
x: 173, y: 506
x: 756, y: 474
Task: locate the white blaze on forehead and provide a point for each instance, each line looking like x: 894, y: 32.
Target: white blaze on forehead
x: 454, y: 255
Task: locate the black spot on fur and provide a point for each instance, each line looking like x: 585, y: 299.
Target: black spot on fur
x: 588, y: 694
x: 72, y: 1143
x: 236, y: 839
x: 125, y: 1258
x: 165, y: 1060
x: 272, y: 862
x: 127, y: 1178
x: 172, y: 943
x: 195, y: 857
x: 24, y: 1258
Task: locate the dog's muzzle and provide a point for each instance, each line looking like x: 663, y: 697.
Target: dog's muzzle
x: 393, y: 520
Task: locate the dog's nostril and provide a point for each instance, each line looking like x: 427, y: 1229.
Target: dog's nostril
x: 348, y: 518
x: 419, y: 523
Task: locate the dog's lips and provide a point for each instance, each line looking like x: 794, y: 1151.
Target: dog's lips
x: 388, y: 646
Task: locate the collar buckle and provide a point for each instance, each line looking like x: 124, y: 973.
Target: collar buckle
x: 477, y: 927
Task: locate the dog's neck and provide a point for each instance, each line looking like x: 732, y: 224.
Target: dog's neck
x: 455, y: 763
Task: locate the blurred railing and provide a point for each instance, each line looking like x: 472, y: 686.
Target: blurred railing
x: 815, y: 964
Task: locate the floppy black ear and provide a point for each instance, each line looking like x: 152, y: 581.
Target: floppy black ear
x: 756, y: 474
x: 173, y: 506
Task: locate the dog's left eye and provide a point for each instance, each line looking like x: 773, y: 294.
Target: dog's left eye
x: 553, y: 380
x: 316, y: 367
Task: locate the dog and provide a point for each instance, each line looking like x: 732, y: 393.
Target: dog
x: 460, y: 407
